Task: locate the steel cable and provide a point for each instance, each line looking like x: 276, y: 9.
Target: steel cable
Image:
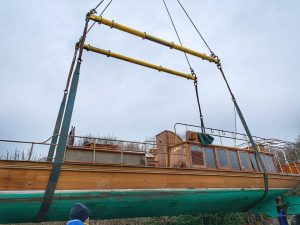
x: 191, y: 69
x: 186, y: 13
x: 99, y: 14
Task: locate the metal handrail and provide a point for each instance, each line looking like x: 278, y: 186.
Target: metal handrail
x: 30, y: 142
x: 116, y: 140
x: 243, y: 137
x: 217, y: 132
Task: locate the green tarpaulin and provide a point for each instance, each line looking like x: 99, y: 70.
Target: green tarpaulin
x: 205, y: 139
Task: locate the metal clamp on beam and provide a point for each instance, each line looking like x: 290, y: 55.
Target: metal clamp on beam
x: 144, y: 35
x: 136, y: 61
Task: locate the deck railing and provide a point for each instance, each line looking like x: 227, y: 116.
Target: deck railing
x: 147, y: 149
x: 23, y: 150
x: 113, y: 145
x: 239, y: 139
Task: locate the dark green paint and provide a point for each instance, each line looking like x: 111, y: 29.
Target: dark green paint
x: 18, y: 208
x: 205, y: 139
x: 61, y: 146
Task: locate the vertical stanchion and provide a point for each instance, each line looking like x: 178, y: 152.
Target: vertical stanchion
x: 145, y: 151
x: 121, y: 156
x: 30, y: 151
x: 94, y: 149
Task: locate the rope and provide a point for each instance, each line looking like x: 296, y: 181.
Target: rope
x: 71, y: 70
x: 191, y: 69
x: 99, y: 14
x: 82, y: 40
x: 186, y: 13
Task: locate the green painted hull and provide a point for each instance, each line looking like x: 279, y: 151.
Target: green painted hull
x: 23, y: 207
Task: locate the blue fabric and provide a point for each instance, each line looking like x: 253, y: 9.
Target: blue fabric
x: 282, y: 218
x: 75, y: 222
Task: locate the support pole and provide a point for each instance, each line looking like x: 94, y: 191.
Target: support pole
x: 144, y: 35
x: 138, y: 62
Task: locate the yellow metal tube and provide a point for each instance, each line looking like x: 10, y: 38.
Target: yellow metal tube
x: 149, y: 37
x: 136, y: 61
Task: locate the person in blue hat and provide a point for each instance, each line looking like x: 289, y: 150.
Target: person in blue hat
x: 79, y: 215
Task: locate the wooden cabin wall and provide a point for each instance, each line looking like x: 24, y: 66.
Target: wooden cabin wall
x: 164, y: 141
x: 191, y: 136
x: 180, y: 156
x: 106, y: 157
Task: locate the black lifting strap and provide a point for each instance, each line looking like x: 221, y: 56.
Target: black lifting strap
x: 254, y: 146
x: 198, y: 101
x: 65, y: 123
x: 61, y: 145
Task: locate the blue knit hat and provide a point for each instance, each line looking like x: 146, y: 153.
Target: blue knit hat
x: 80, y: 212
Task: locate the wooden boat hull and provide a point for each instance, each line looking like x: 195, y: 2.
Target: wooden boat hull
x: 122, y: 192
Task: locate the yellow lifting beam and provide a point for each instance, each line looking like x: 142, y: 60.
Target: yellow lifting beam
x: 136, y: 61
x: 144, y: 35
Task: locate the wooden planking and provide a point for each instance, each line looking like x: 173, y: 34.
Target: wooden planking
x: 34, y: 176
x: 179, y: 157
x: 108, y: 157
x: 164, y: 141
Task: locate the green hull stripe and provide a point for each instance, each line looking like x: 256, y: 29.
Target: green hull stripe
x: 23, y: 207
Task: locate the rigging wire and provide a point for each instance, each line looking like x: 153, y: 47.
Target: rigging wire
x: 191, y: 69
x: 177, y: 34
x: 94, y: 10
x: 186, y: 13
x: 71, y: 70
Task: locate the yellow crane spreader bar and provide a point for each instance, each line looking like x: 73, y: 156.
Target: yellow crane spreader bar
x: 136, y: 61
x: 149, y: 37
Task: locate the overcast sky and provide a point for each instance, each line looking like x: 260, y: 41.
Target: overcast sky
x: 257, y: 42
